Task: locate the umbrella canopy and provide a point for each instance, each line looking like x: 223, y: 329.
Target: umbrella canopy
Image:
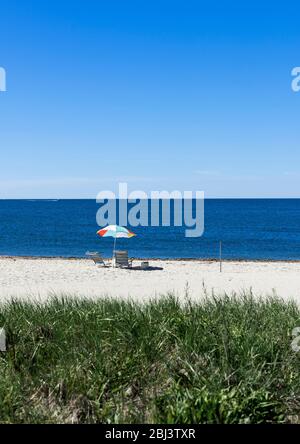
x: 115, y: 231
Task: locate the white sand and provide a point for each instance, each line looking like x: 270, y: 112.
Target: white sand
x: 40, y: 278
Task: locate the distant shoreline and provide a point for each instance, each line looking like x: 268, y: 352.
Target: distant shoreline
x: 168, y: 259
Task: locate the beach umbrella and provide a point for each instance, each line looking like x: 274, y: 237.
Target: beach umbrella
x: 116, y: 232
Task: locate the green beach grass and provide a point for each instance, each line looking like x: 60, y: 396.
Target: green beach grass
x: 221, y: 360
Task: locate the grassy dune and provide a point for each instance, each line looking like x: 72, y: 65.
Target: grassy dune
x: 222, y: 360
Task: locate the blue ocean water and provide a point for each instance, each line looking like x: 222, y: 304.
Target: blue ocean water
x: 248, y: 228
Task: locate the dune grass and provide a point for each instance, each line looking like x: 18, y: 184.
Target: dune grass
x: 221, y: 360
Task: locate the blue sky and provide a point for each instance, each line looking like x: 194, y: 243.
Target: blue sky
x: 161, y: 94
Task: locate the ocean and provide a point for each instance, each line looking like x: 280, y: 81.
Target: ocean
x: 261, y: 229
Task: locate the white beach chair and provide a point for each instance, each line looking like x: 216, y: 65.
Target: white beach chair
x: 96, y: 257
x: 121, y: 259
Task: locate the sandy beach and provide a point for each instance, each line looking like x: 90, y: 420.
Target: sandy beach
x: 41, y: 278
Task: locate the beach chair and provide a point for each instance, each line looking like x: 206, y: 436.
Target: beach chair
x: 96, y: 257
x: 121, y: 259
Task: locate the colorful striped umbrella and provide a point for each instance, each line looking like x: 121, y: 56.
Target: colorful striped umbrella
x: 115, y: 231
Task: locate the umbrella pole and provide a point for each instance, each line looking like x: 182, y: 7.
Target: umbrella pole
x: 114, y: 246
x: 114, y: 254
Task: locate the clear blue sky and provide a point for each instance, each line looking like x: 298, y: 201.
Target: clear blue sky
x: 163, y: 94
